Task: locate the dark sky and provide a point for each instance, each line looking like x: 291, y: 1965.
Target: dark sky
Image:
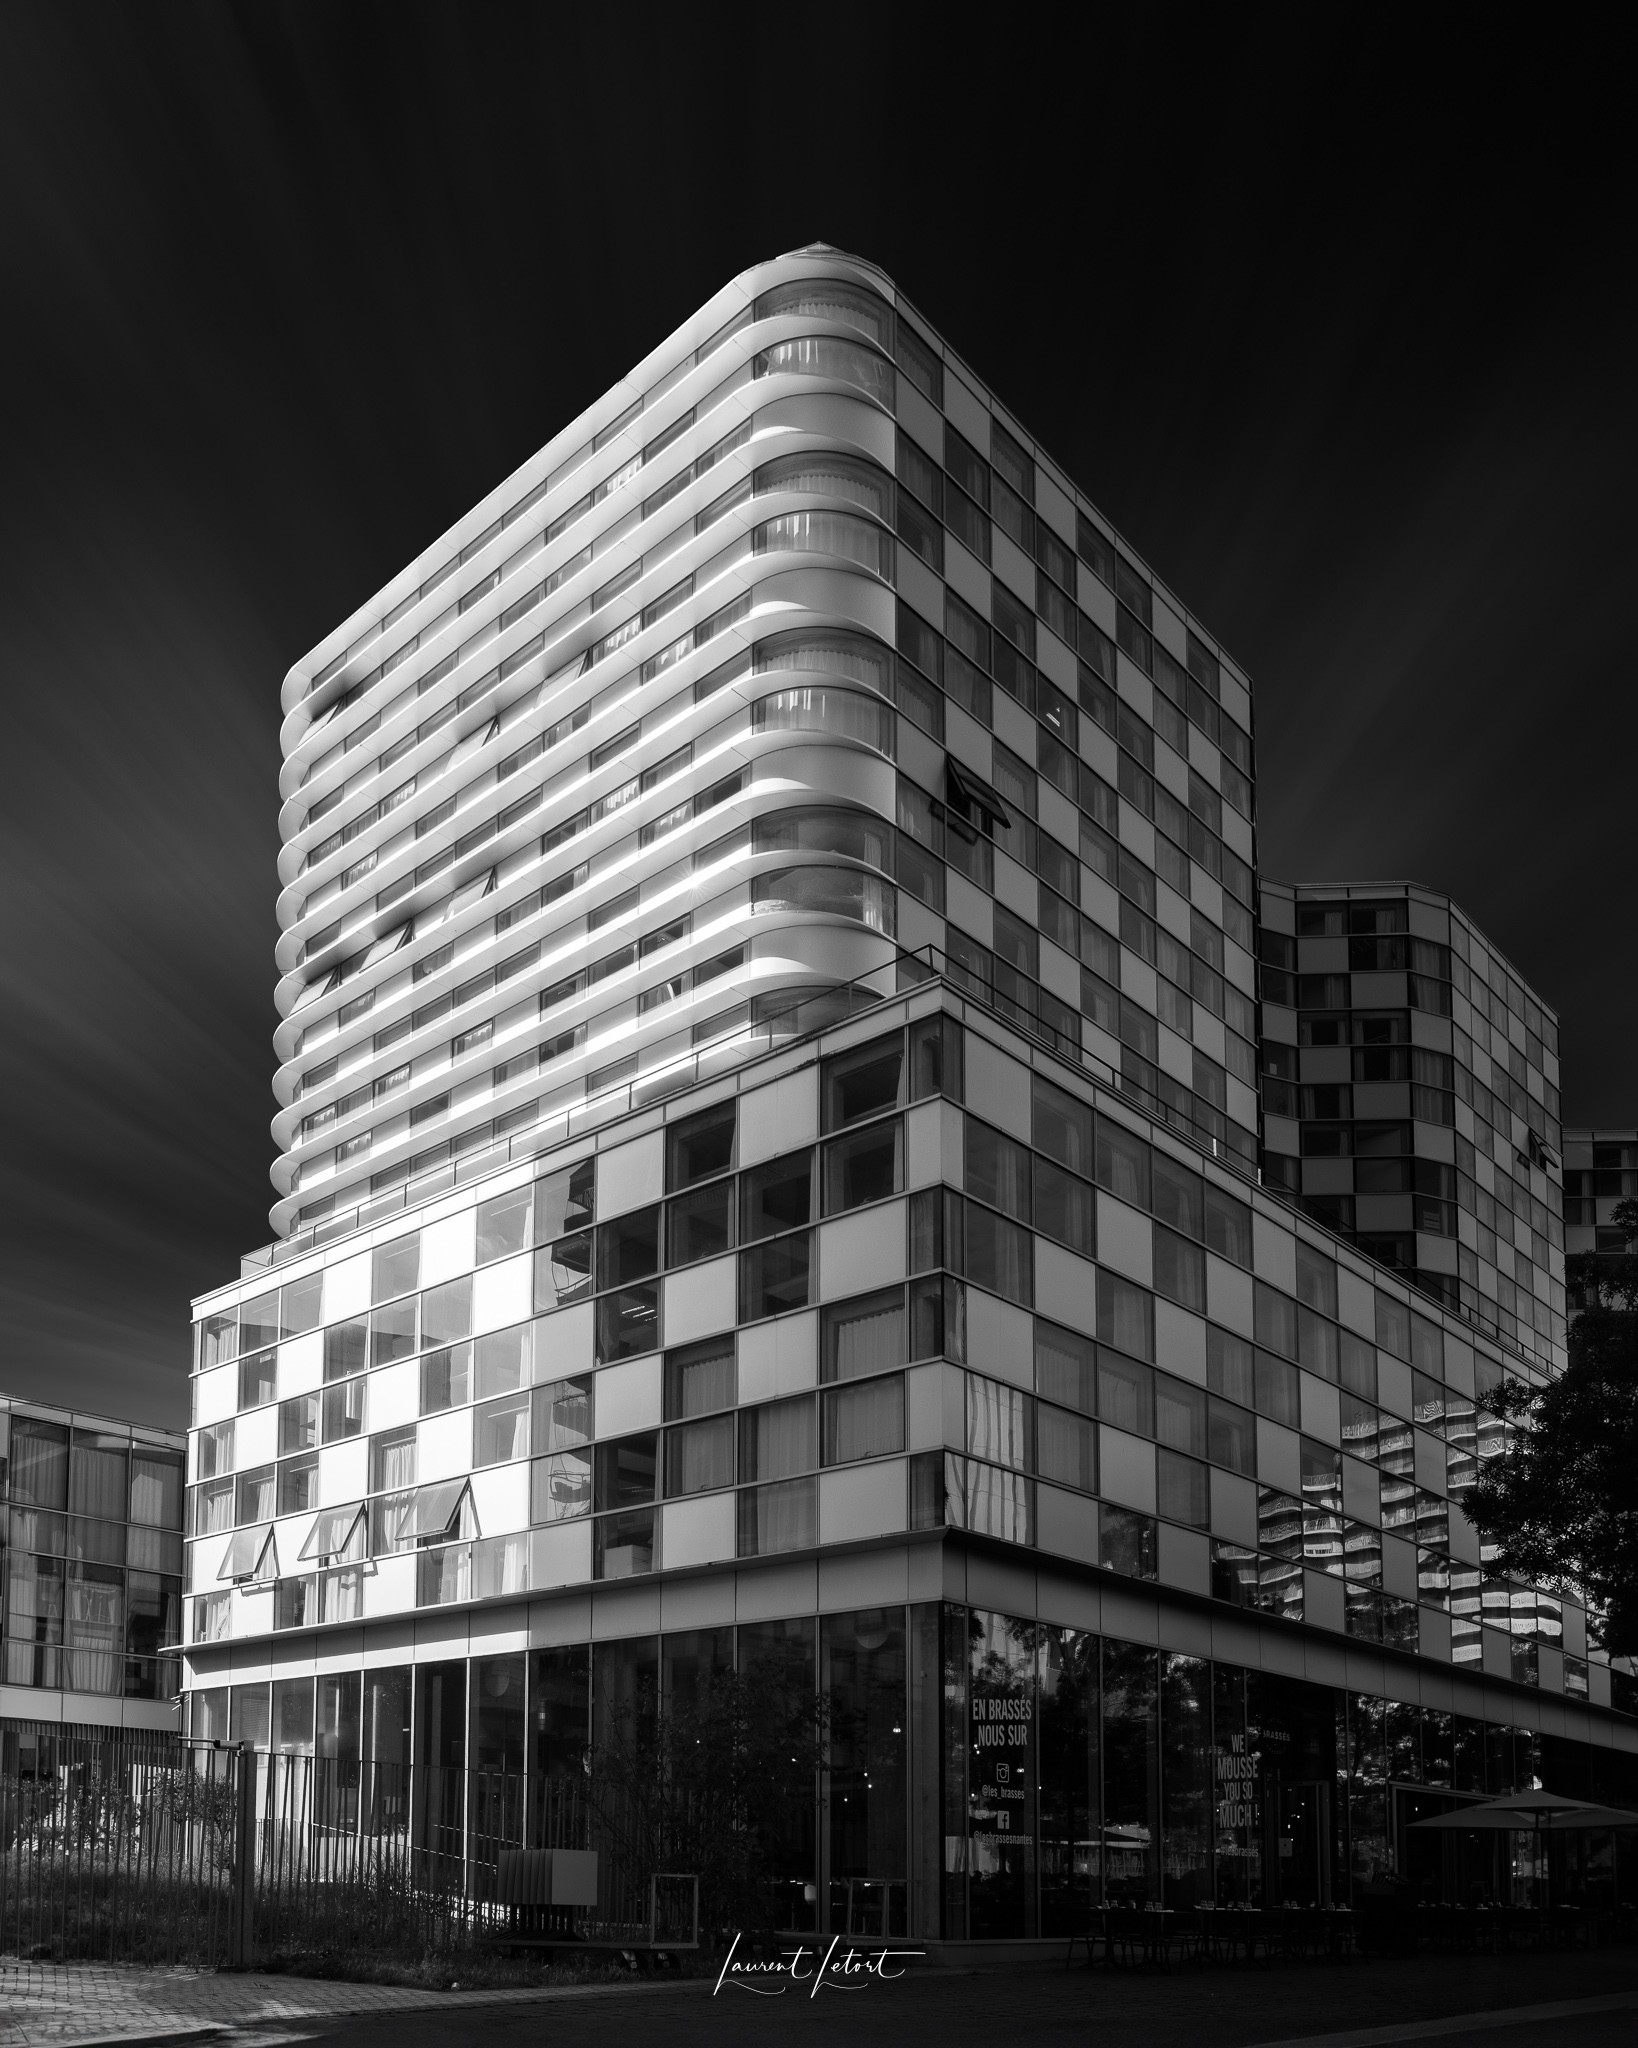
x: 1335, y: 323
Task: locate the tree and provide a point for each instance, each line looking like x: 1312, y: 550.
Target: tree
x: 1561, y: 1503
x: 721, y: 1783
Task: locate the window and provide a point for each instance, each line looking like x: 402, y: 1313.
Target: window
x: 1066, y: 1367
x: 998, y: 1170
x: 446, y: 1379
x: 1182, y: 1489
x: 628, y: 1248
x: 778, y: 1518
x: 1231, y: 1437
x: 501, y: 1431
x: 446, y: 1312
x: 1066, y: 1448
x: 393, y: 1331
x: 298, y: 1424
x: 1180, y: 1415
x: 255, y: 1498
x: 1178, y: 1196
x: 778, y: 1439
x: 699, y: 1147
x: 700, y: 1379
x: 560, y: 1486
x: 29, y: 1482
x: 392, y: 1461
x: 628, y: 1323
x: 863, y: 1082
x: 1126, y: 1315
x: 863, y: 1336
x: 346, y: 1348
x: 298, y: 1484
x: 1064, y: 1208
x: 1276, y: 1320
x: 1061, y: 1127
x: 1123, y: 1164
x: 563, y: 1271
x: 866, y: 1421
x: 395, y: 1268
x: 699, y: 1457
x: 997, y: 1255
x: 865, y: 1166
x: 503, y: 1225
x: 776, y: 1196
x: 700, y: 1225
x: 936, y: 1059
x: 626, y: 1472
x: 1229, y: 1368
x: 257, y: 1379
x: 773, y: 1277
x: 1179, y: 1268
x: 623, y: 1545
x: 1276, y: 1390
x: 564, y: 1201
x: 563, y: 1414
x: 502, y: 1361
x: 1126, y: 1541
x: 1228, y: 1227
x: 999, y: 1423
x: 343, y: 1411
x: 1126, y: 1393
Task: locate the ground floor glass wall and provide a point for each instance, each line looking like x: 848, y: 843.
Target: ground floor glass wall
x: 988, y: 1777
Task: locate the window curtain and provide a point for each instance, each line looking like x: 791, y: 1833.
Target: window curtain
x: 782, y: 1439
x: 866, y: 1421
x: 787, y: 1516
x: 869, y: 1340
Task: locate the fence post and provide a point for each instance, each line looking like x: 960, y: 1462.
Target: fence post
x: 242, y: 1944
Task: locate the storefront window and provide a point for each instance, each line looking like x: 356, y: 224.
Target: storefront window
x: 1131, y: 1767
x: 779, y: 1662
x: 1002, y: 1777
x: 864, y: 1678
x: 1185, y: 1779
x: 1069, y: 1830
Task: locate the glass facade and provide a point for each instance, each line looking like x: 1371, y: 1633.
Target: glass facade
x: 990, y: 1777
x: 1411, y: 1104
x: 93, y: 1558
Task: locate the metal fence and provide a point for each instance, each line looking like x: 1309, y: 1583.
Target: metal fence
x: 224, y: 1856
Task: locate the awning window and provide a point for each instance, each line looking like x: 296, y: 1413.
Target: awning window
x: 443, y: 1512
x: 337, y: 1535
x: 251, y: 1555
x: 972, y: 797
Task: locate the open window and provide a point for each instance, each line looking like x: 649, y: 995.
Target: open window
x: 973, y: 805
x: 252, y: 1557
x: 337, y: 1536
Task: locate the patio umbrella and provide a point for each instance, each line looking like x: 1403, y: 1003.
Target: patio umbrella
x: 1535, y: 1812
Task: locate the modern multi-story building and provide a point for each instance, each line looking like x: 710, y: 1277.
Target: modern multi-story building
x: 93, y: 1578
x: 1410, y: 1100
x: 1600, y: 1170
x: 769, y: 1170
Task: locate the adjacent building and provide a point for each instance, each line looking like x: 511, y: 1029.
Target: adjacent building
x: 1410, y: 1100
x: 1600, y: 1170
x: 93, y: 1580
x: 769, y: 1172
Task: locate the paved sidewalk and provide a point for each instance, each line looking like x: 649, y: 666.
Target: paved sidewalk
x: 1554, y: 2001
x: 50, y: 2005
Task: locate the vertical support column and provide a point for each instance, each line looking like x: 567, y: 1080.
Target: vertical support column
x: 242, y: 1945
